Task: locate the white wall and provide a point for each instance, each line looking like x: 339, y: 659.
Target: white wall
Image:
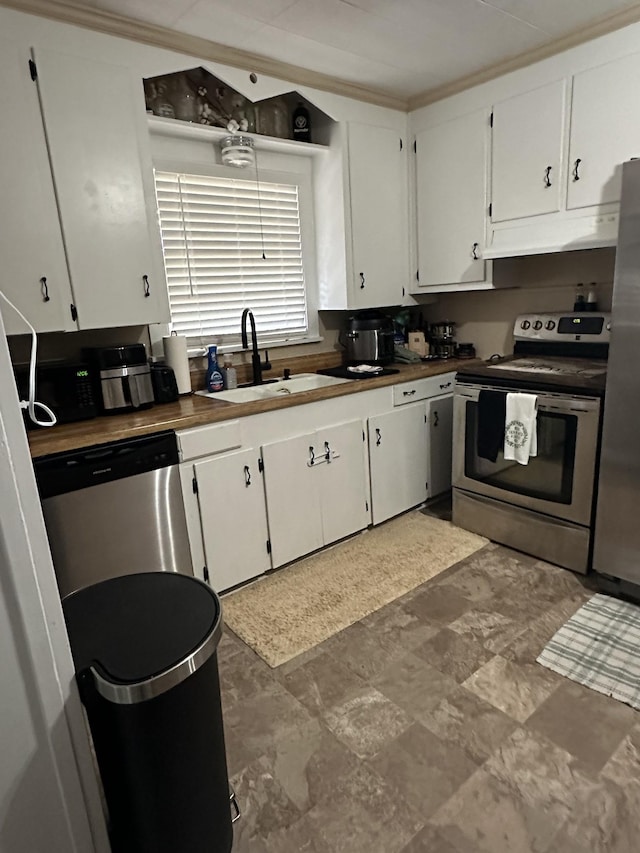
x: 536, y: 283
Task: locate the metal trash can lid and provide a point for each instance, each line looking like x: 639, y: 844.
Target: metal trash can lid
x: 140, y: 635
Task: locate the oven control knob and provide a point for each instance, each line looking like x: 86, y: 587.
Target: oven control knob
x: 525, y: 324
x: 550, y: 325
x: 537, y: 325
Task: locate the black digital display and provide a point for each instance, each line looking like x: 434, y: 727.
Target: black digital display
x: 580, y: 325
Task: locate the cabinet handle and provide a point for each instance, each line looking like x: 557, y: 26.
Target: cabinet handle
x: 247, y: 476
x: 576, y: 166
x: 378, y: 437
x: 235, y: 808
x: 547, y: 177
x: 409, y: 393
x: 446, y: 385
x: 312, y: 456
x: 327, y: 451
x: 147, y: 286
x: 436, y: 420
x: 361, y: 281
x: 45, y: 289
x: 474, y: 251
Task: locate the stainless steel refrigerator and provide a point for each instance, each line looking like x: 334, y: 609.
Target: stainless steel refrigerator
x: 617, y: 529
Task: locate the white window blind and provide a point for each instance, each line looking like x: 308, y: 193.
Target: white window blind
x: 231, y: 244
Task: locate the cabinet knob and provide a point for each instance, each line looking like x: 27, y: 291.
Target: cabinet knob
x: 378, y: 437
x: 361, y: 281
x: 474, y: 251
x: 45, y: 289
x: 247, y: 476
x: 547, y: 177
x: 576, y: 167
x: 147, y: 286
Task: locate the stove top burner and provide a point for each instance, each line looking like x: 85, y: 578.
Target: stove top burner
x: 556, y: 366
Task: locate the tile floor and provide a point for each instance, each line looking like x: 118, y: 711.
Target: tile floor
x: 428, y: 726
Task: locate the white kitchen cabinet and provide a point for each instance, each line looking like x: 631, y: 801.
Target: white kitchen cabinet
x: 451, y: 175
x: 342, y: 481
x: 361, y: 218
x: 605, y: 131
x: 233, y: 518
x: 440, y: 444
x: 398, y: 460
x: 31, y: 247
x: 377, y: 180
x: 527, y: 153
x: 95, y: 122
x: 293, y: 498
x: 315, y: 486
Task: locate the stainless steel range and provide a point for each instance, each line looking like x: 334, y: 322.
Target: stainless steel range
x: 544, y: 508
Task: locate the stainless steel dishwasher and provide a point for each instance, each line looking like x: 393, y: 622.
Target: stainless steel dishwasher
x: 114, y: 509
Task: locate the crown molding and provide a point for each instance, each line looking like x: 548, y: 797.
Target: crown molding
x: 600, y: 27
x: 70, y: 12
x: 75, y: 13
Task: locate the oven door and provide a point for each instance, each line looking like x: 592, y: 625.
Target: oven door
x: 558, y: 481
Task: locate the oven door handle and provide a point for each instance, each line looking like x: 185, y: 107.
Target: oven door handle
x: 565, y: 405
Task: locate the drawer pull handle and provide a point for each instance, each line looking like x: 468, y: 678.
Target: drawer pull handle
x: 576, y: 167
x: 474, y: 251
x: 45, y: 289
x: 446, y: 385
x: 547, y: 177
x: 409, y: 393
x: 378, y: 437
x: 312, y: 456
x: 147, y: 286
x: 361, y: 281
x: 327, y: 451
x: 247, y: 476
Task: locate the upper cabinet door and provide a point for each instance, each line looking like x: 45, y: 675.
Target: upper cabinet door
x: 528, y: 135
x: 92, y: 120
x: 379, y: 231
x: 451, y: 196
x: 605, y: 131
x: 31, y: 248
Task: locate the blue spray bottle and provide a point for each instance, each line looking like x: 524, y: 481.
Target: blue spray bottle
x: 214, y: 375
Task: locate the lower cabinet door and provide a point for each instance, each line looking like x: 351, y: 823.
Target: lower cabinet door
x: 293, y: 496
x: 233, y: 517
x: 398, y: 461
x: 440, y: 421
x: 343, y: 481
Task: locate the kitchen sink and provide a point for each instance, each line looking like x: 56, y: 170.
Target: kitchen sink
x: 280, y: 388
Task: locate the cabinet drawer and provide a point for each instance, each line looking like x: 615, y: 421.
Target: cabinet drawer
x: 422, y: 389
x: 208, y: 440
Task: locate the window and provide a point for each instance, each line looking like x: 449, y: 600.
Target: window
x: 231, y: 243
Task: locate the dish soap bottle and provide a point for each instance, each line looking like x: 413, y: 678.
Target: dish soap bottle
x: 230, y: 374
x: 214, y: 377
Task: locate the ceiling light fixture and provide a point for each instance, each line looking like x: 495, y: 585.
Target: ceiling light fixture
x: 238, y: 151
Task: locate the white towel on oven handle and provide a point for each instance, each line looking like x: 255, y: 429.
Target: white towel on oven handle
x: 521, y: 427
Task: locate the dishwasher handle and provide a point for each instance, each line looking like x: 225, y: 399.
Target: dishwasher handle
x: 80, y: 469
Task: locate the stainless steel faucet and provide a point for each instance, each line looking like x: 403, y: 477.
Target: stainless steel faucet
x: 257, y: 365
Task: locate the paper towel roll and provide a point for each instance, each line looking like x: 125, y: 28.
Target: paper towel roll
x: 175, y: 354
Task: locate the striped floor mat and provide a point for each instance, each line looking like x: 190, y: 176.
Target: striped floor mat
x: 600, y: 648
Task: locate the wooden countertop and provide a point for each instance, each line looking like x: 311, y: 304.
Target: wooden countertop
x: 195, y: 411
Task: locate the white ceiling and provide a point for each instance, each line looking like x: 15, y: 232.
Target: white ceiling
x: 401, y: 47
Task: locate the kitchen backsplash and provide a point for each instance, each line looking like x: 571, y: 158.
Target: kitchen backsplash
x: 535, y: 283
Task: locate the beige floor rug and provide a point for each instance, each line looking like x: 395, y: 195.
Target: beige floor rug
x: 293, y: 610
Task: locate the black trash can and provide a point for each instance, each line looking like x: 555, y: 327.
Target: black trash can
x: 144, y: 647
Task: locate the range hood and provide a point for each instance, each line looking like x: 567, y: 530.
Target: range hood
x: 557, y: 232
